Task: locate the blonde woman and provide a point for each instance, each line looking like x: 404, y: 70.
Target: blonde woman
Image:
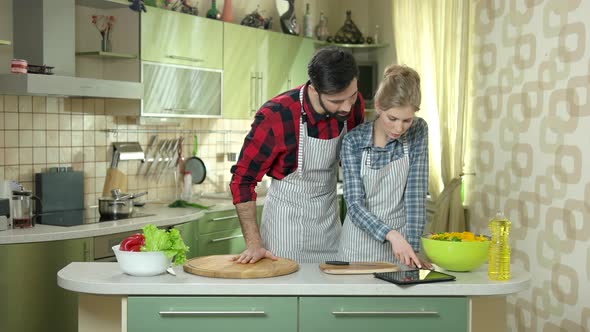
x: 385, y: 168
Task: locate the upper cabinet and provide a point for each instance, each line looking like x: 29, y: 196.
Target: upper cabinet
x: 258, y: 65
x: 240, y: 68
x: 176, y: 38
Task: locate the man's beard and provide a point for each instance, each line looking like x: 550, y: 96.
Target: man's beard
x: 335, y: 115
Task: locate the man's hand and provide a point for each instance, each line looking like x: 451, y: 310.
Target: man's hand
x: 253, y: 255
x: 402, y: 250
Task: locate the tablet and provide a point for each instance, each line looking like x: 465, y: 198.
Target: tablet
x: 414, y: 276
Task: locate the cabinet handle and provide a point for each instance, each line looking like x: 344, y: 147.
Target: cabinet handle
x: 224, y: 218
x: 175, y: 110
x: 210, y: 313
x: 289, y: 83
x: 384, y: 313
x: 226, y: 238
x: 260, y: 77
x: 186, y: 58
x: 86, y: 252
x: 252, y: 92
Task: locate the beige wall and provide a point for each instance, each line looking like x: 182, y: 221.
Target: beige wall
x: 532, y: 114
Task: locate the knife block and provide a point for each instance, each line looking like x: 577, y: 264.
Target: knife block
x: 115, y: 179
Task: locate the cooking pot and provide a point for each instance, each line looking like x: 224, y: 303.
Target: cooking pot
x: 118, y: 206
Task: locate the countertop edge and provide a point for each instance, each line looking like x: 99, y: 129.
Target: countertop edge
x: 309, y: 281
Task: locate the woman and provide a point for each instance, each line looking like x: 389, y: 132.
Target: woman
x: 385, y: 165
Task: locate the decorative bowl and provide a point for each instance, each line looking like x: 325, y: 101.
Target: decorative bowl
x: 456, y: 256
x: 142, y: 264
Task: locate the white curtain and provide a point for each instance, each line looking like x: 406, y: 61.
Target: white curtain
x: 432, y: 36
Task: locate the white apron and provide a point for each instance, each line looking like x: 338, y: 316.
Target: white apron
x: 384, y: 190
x: 299, y: 219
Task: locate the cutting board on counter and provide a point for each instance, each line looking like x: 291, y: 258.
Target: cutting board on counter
x: 222, y: 266
x: 359, y: 268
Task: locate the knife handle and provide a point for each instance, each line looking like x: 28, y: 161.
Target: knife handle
x: 337, y: 263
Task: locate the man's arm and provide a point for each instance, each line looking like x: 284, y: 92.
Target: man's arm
x: 256, y: 158
x: 254, y: 249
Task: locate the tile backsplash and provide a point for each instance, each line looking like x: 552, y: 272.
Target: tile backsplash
x: 37, y: 133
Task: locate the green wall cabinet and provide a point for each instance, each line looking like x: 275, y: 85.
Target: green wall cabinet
x: 220, y: 314
x: 258, y: 65
x: 29, y: 285
x: 416, y: 314
x: 176, y: 38
x: 240, y: 67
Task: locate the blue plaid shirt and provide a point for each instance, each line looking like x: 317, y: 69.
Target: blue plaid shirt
x: 361, y: 138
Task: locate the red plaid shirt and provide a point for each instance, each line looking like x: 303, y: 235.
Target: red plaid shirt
x: 271, y: 145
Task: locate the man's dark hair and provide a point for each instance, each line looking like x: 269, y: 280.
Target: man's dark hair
x: 331, y: 70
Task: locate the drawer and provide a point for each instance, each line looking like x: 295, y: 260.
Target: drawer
x: 383, y: 314
x: 217, y: 314
x: 218, y: 221
x: 221, y: 243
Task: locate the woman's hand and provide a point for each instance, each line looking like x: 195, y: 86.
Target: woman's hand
x: 402, y: 250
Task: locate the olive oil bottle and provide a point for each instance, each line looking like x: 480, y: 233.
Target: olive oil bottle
x: 499, y: 250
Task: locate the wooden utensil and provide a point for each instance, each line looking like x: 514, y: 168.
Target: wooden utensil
x: 222, y: 266
x: 113, y: 180
x: 359, y: 268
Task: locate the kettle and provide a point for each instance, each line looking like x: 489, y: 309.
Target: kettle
x: 22, y: 208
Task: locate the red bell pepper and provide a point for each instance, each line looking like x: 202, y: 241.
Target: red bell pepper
x: 132, y: 243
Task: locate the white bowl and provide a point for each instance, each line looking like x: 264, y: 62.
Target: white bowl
x: 142, y: 264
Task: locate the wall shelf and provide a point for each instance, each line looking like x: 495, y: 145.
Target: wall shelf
x: 5, y: 42
x: 101, y: 54
x: 324, y: 43
x: 103, y: 4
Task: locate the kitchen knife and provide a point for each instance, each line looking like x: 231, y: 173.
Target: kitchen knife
x: 351, y: 263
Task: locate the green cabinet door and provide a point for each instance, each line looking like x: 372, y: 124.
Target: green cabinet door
x: 31, y: 300
x: 219, y: 314
x: 221, y: 243
x: 189, y: 236
x: 176, y: 38
x: 218, y: 221
x: 240, y: 59
x: 417, y: 314
x: 276, y: 63
x: 302, y: 56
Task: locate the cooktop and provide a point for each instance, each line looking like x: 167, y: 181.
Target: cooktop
x: 96, y: 219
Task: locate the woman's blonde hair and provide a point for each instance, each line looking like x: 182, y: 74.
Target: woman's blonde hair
x: 400, y: 87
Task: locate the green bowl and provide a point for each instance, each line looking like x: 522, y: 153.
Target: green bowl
x: 456, y: 256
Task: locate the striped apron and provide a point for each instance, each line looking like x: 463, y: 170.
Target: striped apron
x: 299, y: 219
x: 384, y: 193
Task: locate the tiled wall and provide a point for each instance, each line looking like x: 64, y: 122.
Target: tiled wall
x: 37, y: 133
x: 532, y: 117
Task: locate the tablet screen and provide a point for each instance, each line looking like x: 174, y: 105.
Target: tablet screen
x: 414, y: 276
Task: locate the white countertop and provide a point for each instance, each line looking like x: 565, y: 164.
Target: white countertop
x: 162, y: 216
x: 108, y: 279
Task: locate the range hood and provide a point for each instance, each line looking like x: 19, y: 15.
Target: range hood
x: 44, y: 34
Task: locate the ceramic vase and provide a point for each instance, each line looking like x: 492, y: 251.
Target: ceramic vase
x: 227, y: 14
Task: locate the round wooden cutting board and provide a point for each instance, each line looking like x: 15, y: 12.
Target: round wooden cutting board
x: 222, y: 266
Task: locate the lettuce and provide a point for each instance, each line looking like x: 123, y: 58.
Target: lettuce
x: 169, y: 242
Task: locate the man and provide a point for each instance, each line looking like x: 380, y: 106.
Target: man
x: 295, y: 139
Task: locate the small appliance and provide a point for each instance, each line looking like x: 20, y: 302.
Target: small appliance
x: 4, y: 214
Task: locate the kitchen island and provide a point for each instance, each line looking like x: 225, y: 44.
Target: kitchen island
x: 307, y: 300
